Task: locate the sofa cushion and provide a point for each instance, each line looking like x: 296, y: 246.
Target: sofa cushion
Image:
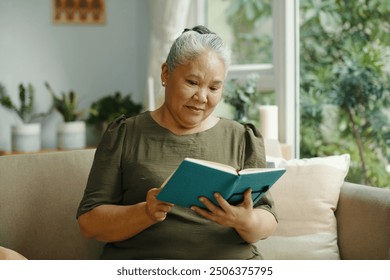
x: 39, y: 197
x: 306, y: 198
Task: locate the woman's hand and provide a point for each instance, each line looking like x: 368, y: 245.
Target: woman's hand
x: 226, y: 214
x: 251, y: 224
x: 113, y: 223
x: 155, y: 209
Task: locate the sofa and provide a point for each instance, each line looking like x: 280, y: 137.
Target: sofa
x: 39, y: 195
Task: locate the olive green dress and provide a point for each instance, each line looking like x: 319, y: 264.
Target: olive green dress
x: 137, y: 154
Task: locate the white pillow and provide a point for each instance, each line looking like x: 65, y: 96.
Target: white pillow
x: 306, y: 197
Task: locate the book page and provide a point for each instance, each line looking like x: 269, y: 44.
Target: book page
x: 215, y: 165
x: 258, y: 170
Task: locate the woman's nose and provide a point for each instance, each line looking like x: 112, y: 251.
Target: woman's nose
x: 201, y: 95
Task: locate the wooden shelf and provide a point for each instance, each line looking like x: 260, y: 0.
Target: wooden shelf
x: 5, y: 153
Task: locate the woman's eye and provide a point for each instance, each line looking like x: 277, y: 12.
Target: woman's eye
x: 192, y: 82
x: 214, y: 88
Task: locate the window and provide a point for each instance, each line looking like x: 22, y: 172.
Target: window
x: 345, y: 82
x: 246, y: 26
x: 329, y: 61
x: 265, y: 44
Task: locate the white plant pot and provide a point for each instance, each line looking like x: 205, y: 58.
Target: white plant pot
x: 71, y: 135
x: 26, y: 137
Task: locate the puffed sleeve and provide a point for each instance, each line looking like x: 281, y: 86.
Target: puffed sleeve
x: 254, y: 156
x: 104, y: 181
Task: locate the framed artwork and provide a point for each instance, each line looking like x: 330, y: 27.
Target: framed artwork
x: 79, y: 11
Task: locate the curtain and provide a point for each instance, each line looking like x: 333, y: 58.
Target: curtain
x: 168, y: 18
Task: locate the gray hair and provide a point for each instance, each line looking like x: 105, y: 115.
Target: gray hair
x: 193, y: 42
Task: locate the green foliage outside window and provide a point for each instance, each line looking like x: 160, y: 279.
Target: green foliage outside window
x: 345, y: 83
x: 245, y: 17
x: 345, y: 89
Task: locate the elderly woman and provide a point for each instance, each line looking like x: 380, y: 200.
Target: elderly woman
x: 137, y: 154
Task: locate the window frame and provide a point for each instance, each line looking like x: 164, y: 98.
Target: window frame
x: 285, y: 50
x: 282, y: 75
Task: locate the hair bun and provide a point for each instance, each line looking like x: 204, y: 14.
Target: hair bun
x: 200, y: 29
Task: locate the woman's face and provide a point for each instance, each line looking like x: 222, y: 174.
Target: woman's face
x: 193, y: 90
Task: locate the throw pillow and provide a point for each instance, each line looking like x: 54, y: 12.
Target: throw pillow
x: 306, y: 197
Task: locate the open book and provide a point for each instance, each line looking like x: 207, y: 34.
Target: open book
x: 194, y: 178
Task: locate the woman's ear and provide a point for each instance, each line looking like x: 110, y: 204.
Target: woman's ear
x: 164, y: 73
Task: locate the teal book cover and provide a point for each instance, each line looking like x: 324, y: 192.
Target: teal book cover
x: 194, y: 178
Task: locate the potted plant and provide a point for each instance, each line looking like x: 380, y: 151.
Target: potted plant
x: 26, y: 137
x: 71, y: 134
x: 243, y: 96
x: 109, y: 107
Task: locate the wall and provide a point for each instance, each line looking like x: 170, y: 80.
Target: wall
x: 92, y: 60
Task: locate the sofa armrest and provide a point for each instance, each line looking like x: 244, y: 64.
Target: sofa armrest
x: 363, y: 222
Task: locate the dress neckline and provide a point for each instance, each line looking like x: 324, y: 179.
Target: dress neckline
x: 149, y: 114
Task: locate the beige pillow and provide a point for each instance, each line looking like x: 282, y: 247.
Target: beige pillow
x: 306, y: 197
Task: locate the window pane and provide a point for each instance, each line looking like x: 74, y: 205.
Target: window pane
x: 246, y: 25
x: 344, y: 90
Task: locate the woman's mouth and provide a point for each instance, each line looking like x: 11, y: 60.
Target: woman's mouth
x: 195, y: 109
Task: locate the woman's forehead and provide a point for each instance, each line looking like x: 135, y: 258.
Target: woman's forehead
x: 206, y: 63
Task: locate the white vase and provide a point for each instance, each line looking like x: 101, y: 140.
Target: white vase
x: 26, y: 137
x: 71, y: 135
